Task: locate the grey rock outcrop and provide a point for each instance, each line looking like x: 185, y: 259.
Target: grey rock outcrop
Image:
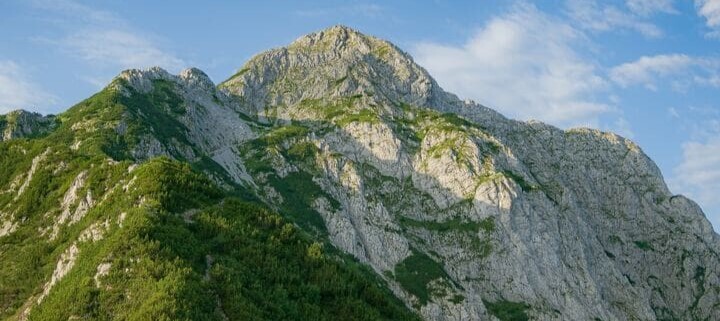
x: 211, y: 125
x: 465, y: 213
x: 570, y: 225
x: 21, y: 123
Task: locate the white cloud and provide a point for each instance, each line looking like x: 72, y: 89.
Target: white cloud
x: 712, y: 81
x: 589, y: 14
x: 120, y: 48
x: 701, y: 165
x: 524, y: 65
x: 681, y: 70
x: 370, y: 10
x: 97, y: 82
x: 710, y: 10
x: 105, y: 39
x: 78, y: 11
x: 16, y: 91
x: 646, y: 69
x: 649, y: 7
x: 698, y: 175
x: 622, y: 127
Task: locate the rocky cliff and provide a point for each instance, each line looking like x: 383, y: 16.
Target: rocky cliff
x: 463, y: 213
x: 21, y: 123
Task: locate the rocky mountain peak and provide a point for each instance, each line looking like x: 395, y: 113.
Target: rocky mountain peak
x: 333, y: 63
x: 465, y: 215
x: 196, y: 77
x: 337, y: 39
x: 142, y: 79
x: 22, y: 123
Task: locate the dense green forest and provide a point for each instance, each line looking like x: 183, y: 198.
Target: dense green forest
x: 161, y: 241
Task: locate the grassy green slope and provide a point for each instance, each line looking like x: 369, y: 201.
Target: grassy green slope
x: 174, y: 245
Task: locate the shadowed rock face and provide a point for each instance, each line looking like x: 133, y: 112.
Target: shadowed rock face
x: 20, y: 123
x: 465, y: 213
x: 583, y: 225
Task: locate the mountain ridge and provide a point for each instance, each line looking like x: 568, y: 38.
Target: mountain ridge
x: 464, y: 213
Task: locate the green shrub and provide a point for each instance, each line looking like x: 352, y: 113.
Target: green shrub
x: 365, y: 115
x: 415, y: 273
x: 299, y: 192
x: 454, y: 224
x: 644, y: 245
x: 507, y: 310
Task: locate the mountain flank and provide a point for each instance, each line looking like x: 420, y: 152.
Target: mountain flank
x: 335, y: 179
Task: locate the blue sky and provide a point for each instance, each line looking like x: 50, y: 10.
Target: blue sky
x: 646, y: 69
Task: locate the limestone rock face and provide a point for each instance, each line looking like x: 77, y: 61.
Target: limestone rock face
x: 20, y: 123
x: 466, y: 214
x: 211, y: 126
x: 568, y: 225
x: 333, y: 63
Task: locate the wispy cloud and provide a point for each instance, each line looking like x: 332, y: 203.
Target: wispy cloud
x: 364, y: 9
x: 698, y: 174
x: 594, y: 16
x: 523, y: 64
x: 105, y: 40
x: 78, y: 11
x: 646, y: 69
x: 681, y: 70
x: 649, y: 7
x: 17, y: 91
x: 701, y: 167
x: 710, y: 10
x: 118, y: 47
x: 622, y: 127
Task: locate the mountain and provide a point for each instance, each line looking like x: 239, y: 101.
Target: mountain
x: 334, y: 179
x: 21, y: 123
